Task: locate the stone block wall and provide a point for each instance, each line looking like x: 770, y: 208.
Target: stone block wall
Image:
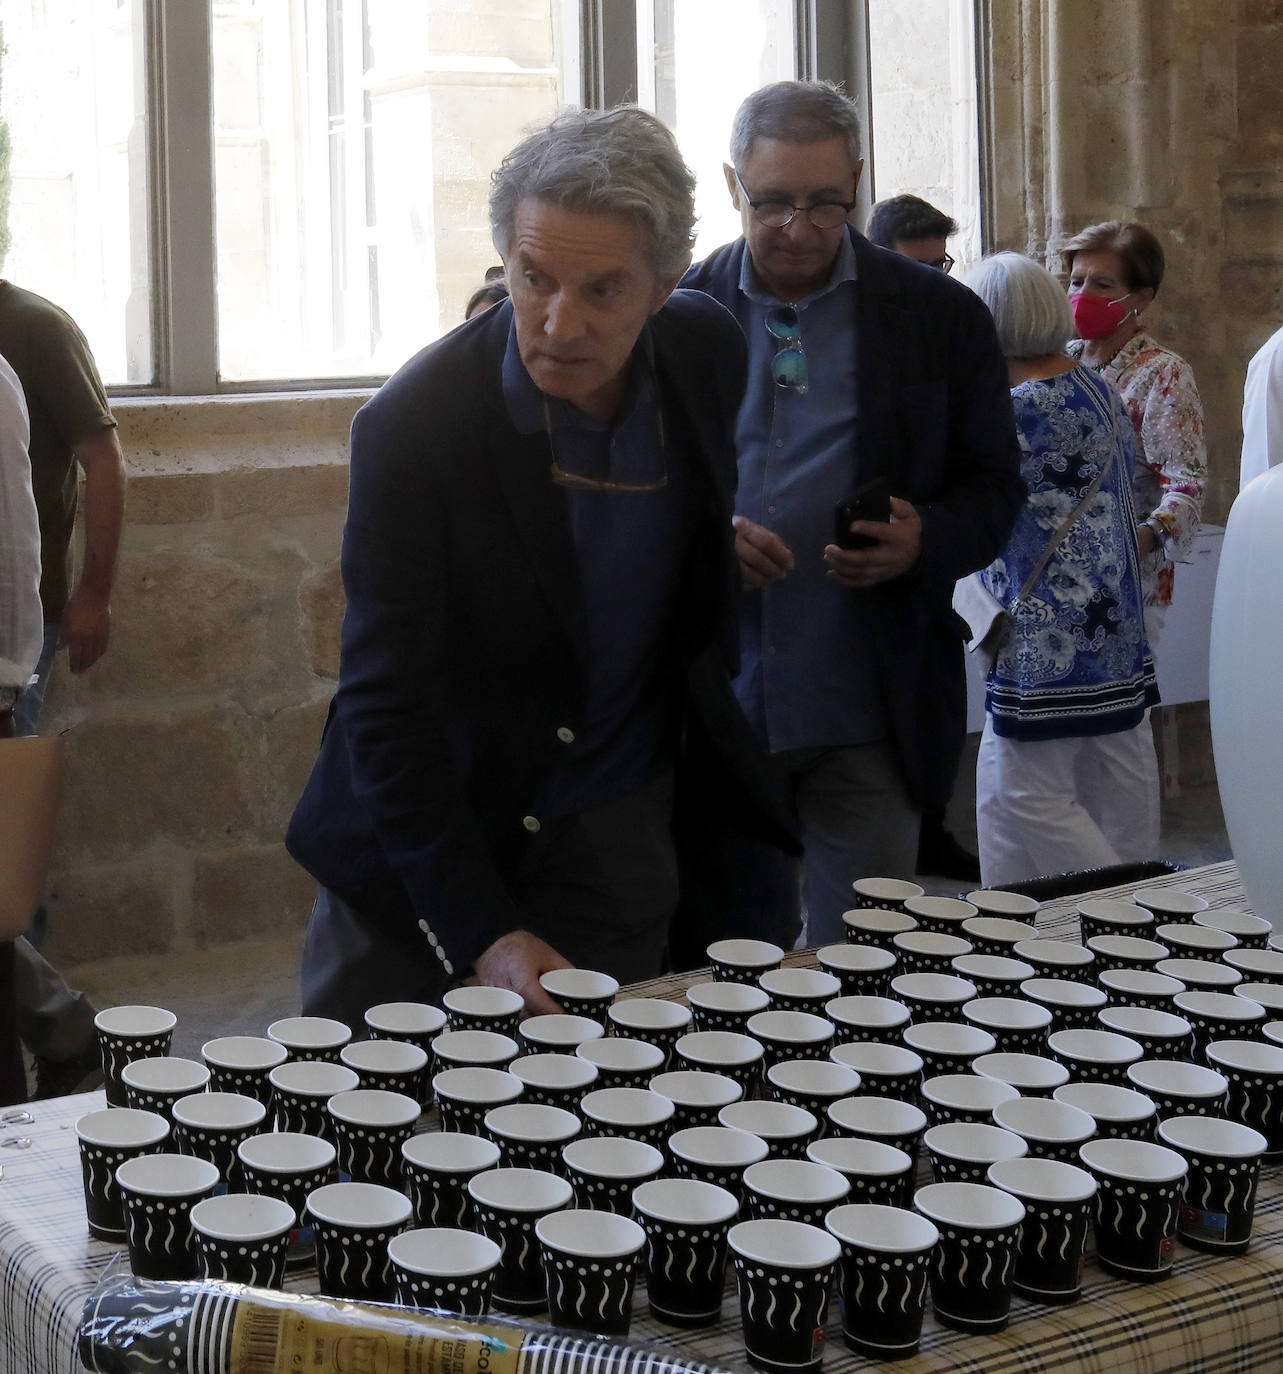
x: 189, y: 742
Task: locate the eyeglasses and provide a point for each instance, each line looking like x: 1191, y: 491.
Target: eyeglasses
x: 779, y: 214
x: 578, y: 481
x: 945, y: 264
x: 788, y: 367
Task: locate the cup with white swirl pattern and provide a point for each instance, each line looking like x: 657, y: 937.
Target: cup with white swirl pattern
x: 126, y: 1034
x: 783, y: 1270
x: 353, y: 1223
x: 159, y: 1192
x: 883, y: 1276
x: 605, y: 1169
x: 1138, y: 1205
x: 1254, y: 1072
x: 242, y: 1238
x: 445, y: 1269
x: 507, y: 1204
x: 107, y: 1139
x: 1058, y: 1200
x: 1224, y: 1161
x: 290, y: 1166
x: 686, y: 1224
x: 976, y: 1257
x: 436, y: 1167
x: 370, y: 1126
x: 590, y: 1266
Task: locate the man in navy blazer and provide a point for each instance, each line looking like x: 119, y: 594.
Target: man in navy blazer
x: 539, y: 634
x: 863, y: 367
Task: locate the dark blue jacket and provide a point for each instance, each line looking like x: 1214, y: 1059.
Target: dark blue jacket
x: 934, y: 418
x: 464, y: 647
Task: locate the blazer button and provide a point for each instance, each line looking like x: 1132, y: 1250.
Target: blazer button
x: 565, y: 734
x: 532, y: 824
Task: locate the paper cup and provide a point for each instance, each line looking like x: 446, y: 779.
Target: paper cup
x: 605, y: 1169
x: 1139, y: 988
x: 465, y: 1095
x: 436, y: 1168
x: 480, y: 1008
x: 1170, y: 903
x: 884, y: 1070
x: 1057, y: 958
x: 395, y: 1066
x: 716, y: 1154
x: 880, y: 1118
x: 1019, y: 1026
x: 686, y: 1224
x: 1058, y: 1199
x: 107, y: 1139
x: 996, y: 934
x: 725, y: 1052
x: 961, y: 1151
x: 154, y: 1085
x: 725, y: 1006
x: 933, y: 996
x: 289, y: 1166
x: 242, y: 1238
x: 444, y: 1269
x: 310, y: 1037
x: 800, y: 989
x: 212, y: 1125
x: 1073, y: 1006
x: 581, y: 991
x: 1254, y: 1072
x: 656, y: 1020
x: 886, y: 1259
x: 590, y: 1264
x: 1095, y: 1056
x: 813, y: 1084
x: 947, y: 1046
x: 973, y: 1219
x: 791, y: 1035
x: 159, y: 1192
x: 944, y: 914
x: 480, y: 1049
x: 508, y: 1203
x: 300, y: 1091
x: 876, y: 926
x: 874, y: 1172
x: 965, y: 1097
x: 794, y: 1189
x: 635, y: 1112
x: 1052, y: 1130
x: 928, y: 951
x: 556, y: 1033
x: 1110, y: 916
x: 622, y: 1062
x: 994, y: 975
x: 868, y: 1018
x: 887, y: 894
x: 128, y: 1033
x: 742, y: 961
x: 1161, y: 1034
x: 369, y: 1128
x: 1119, y: 1113
x: 1032, y: 1075
x: 787, y: 1130
x: 1224, y: 1160
x: 530, y: 1136
x: 1137, y: 1206
x: 241, y: 1064
x: 860, y: 969
x: 554, y: 1080
x: 697, y: 1096
x: 353, y: 1223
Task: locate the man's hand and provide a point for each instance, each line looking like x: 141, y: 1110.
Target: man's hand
x: 764, y: 557
x: 899, y: 544
x: 85, y: 627
x: 515, y: 961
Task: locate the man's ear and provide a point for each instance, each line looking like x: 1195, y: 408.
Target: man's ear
x: 859, y: 172
x: 732, y: 183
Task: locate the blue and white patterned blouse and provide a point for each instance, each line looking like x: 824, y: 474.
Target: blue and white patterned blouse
x: 1072, y: 659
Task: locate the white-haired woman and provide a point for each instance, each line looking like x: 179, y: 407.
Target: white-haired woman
x: 1067, y: 777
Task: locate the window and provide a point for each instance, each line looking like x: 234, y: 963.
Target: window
x: 246, y: 194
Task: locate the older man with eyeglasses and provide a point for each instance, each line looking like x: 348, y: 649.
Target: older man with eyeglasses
x: 864, y: 367
x: 540, y: 580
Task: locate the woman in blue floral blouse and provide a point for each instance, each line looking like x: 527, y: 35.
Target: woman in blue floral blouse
x: 1066, y: 777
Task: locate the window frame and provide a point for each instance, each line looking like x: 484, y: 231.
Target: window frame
x: 831, y: 43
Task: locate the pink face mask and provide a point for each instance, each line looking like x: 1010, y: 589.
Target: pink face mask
x: 1096, y: 317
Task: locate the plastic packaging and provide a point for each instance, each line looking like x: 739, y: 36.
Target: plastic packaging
x: 137, y: 1326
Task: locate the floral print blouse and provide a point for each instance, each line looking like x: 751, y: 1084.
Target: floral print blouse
x: 1072, y: 659
x: 1164, y: 404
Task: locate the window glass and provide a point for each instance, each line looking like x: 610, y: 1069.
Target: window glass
x: 925, y: 130
x: 354, y: 141
x: 76, y: 214
x: 698, y: 62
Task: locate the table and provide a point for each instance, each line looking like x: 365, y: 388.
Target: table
x: 1212, y: 1314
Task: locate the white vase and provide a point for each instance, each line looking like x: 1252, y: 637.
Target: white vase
x: 1246, y: 690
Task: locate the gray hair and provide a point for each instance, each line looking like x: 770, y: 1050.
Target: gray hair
x: 795, y: 112
x: 1027, y: 303
x: 614, y: 162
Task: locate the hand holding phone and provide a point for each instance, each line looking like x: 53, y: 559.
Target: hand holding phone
x: 869, y: 501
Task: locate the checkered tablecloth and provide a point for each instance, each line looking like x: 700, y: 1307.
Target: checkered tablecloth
x: 1211, y: 1315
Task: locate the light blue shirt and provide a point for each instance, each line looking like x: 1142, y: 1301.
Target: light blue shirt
x: 807, y: 679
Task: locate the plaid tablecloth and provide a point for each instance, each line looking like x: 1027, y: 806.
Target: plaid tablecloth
x: 1211, y: 1315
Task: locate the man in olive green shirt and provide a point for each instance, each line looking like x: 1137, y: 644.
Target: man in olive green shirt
x: 72, y: 430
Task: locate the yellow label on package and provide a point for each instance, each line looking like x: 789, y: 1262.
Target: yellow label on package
x: 353, y: 1339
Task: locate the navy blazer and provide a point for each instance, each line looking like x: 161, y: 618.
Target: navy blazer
x: 464, y: 649
x: 934, y: 418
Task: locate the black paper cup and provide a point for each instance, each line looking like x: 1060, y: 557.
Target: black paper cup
x: 159, y: 1192
x: 969, y: 1097
x: 874, y: 1172
x: 1257, y: 965
x: 622, y: 1062
x: 1095, y: 1056
x: 786, y: 1260
x: 996, y: 934
x: 580, y: 991
x: 300, y: 1091
x: 554, y: 1080
x: 1251, y: 932
x: 353, y: 1223
x: 800, y: 989
x: 1224, y: 1160
x: 1032, y: 1075
x: 1052, y: 1130
x: 1179, y: 1089
x: 1161, y: 1034
x: 444, y: 1269
x: 418, y: 1023
x: 697, y: 1096
x: 996, y: 903
x: 530, y: 1136
x: 477, y: 1007
x: 933, y: 996
x: 974, y: 1219
x: 791, y: 1035
x: 995, y: 975
x: 129, y: 1033
x: 787, y: 1130
x: 884, y: 1070
x: 1073, y: 1006
x: 1057, y: 958
x: 242, y: 1238
x: 962, y: 1151
x: 1111, y: 916
x: 943, y: 914
x: 465, y: 1095
x: 436, y: 1168
x: 635, y: 1112
x: 865, y: 1017
x: 507, y: 1204
x: 1138, y: 1204
x: 107, y: 1139
x: 793, y: 1189
x: 604, y: 1169
x: 1170, y: 903
x: 212, y: 1125
x: 369, y: 1128
x: 880, y: 1118
x: 1132, y: 987
x: 883, y: 1275
x: 241, y: 1064
x: 1254, y: 1071
x: 861, y: 969
x: 947, y: 1046
x: 494, y: 1050
x: 1017, y: 1024
x: 725, y: 1006
x: 154, y: 1085
x: 395, y: 1066
x: 814, y: 1084
x: 884, y: 894
x: 1204, y: 975
x: 743, y: 961
x: 310, y: 1037
x: 590, y: 1265
x: 1217, y: 1016
x: 686, y: 1224
x: 289, y: 1166
x: 1198, y: 942
x: 1119, y: 1113
x: 659, y: 1021
x: 928, y: 951
x: 716, y: 1154
x: 736, y: 1055
x: 1059, y: 1199
x: 876, y: 926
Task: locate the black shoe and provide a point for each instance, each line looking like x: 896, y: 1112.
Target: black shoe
x: 62, y: 1077
x: 941, y: 854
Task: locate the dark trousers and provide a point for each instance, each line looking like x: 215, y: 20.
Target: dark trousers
x: 599, y: 886
x: 13, y: 1079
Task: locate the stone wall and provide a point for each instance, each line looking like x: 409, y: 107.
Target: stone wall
x: 190, y: 740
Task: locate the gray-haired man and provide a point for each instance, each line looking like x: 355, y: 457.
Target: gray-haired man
x: 540, y: 599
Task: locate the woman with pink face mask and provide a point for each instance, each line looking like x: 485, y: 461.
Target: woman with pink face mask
x: 1115, y: 270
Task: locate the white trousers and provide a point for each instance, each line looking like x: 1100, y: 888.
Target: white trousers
x: 1054, y: 806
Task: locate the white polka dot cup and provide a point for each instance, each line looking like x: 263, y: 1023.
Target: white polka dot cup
x: 800, y: 989
x: 1224, y: 1160
x: 657, y: 1020
x: 975, y: 1259
x: 1254, y: 1071
x: 1018, y: 1025
x: 961, y: 1152
x: 791, y: 1035
x: 396, y: 1066
x: 686, y: 1224
x: 418, y: 1023
x: 126, y: 1034
x: 310, y: 1037
x: 604, y: 1169
x: 1032, y: 1075
x: 928, y: 951
x: 1161, y: 1034
x: 964, y: 1097
x: 942, y: 914
x: 479, y: 1049
x: 884, y: 894
x: 242, y: 1238
x: 1073, y: 1006
x: 300, y: 1091
x: 1170, y: 903
x: 159, y: 1192
x: 793, y: 1189
x: 622, y: 1062
x: 553, y: 1079
x: 876, y: 926
x: 370, y: 1126
x: 874, y: 1172
x: 1179, y: 1089
x: 554, y: 1033
x: 996, y: 934
x: 783, y: 1270
x: 289, y: 1166
x: 154, y: 1085
x: 787, y: 1130
x: 212, y: 1126
x: 725, y: 1006
x: 1138, y: 1202
x: 1251, y: 932
x: 731, y: 1053
x: 880, y: 1118
x: 1110, y: 916
x: 716, y: 1154
x: 530, y: 1136
x: 865, y: 1017
x: 580, y: 991
x: 1052, y: 1130
x: 241, y: 1064
x: 590, y: 1265
x: 635, y: 1112
x: 437, y: 1166
x: 811, y: 1083
x: 353, y: 1224
x: 478, y: 1007
x: 884, y: 1070
x: 508, y: 1203
x: 1058, y: 1199
x: 465, y: 1095
x: 743, y: 961
x: 1095, y: 1056
x: 1119, y: 1113
x: 443, y: 1268
x: 697, y: 1096
x: 886, y: 1260
x: 860, y: 969
x: 947, y: 1046
x: 107, y: 1139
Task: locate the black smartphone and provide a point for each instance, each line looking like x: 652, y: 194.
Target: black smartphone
x: 869, y: 501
